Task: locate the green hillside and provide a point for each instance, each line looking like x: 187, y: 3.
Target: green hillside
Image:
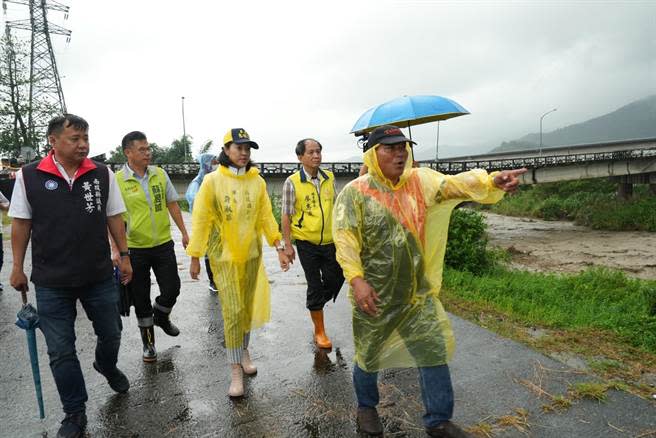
x: 635, y: 120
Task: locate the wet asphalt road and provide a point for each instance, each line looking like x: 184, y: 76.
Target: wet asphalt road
x: 298, y: 391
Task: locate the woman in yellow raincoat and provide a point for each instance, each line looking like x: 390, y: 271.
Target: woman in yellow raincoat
x: 231, y: 212
x: 390, y: 228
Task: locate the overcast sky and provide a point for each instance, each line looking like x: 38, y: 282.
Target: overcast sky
x: 286, y: 70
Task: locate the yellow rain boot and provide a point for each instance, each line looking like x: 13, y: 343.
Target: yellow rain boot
x: 320, y: 337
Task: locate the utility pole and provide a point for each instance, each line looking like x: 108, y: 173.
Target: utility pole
x: 46, y: 97
x: 184, y: 132
x: 543, y: 115
x: 437, y: 144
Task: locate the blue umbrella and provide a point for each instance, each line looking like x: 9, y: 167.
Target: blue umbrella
x: 28, y: 320
x: 408, y: 111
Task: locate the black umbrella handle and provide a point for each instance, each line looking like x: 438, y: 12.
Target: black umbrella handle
x: 24, y: 296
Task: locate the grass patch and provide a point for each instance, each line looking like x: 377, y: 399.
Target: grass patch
x: 605, y: 366
x: 519, y: 421
x: 594, y: 299
x: 594, y: 390
x: 488, y: 426
x: 600, y: 316
x: 558, y: 403
x: 482, y: 429
x: 589, y: 202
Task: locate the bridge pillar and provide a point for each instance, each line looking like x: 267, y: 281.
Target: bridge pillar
x: 624, y: 190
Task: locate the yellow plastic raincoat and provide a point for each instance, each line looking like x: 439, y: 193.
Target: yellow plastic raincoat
x: 231, y: 213
x: 394, y: 236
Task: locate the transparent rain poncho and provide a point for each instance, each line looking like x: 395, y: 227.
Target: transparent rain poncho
x: 231, y: 214
x: 394, y: 236
x: 205, y: 161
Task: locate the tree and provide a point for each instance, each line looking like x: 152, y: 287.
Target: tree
x: 117, y: 155
x: 14, y: 95
x: 15, y: 105
x: 178, y: 152
x: 206, y: 147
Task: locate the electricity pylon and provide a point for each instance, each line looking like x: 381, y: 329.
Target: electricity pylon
x: 46, y: 97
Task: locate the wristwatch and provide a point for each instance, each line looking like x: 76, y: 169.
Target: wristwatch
x: 280, y: 247
x: 124, y: 253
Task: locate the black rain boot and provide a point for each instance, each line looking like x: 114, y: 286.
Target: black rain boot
x: 148, y: 339
x: 163, y: 321
x: 73, y: 425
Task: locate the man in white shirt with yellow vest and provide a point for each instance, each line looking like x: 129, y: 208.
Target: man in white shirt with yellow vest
x: 149, y: 198
x: 307, y: 211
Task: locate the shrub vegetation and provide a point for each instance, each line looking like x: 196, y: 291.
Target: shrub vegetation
x: 589, y: 202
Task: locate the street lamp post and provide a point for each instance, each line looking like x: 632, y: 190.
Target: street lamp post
x: 543, y: 116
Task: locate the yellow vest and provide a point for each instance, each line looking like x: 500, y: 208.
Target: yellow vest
x: 148, y: 223
x: 313, y: 214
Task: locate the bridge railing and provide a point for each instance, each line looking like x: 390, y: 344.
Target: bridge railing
x: 451, y: 167
x: 186, y: 170
x: 266, y: 169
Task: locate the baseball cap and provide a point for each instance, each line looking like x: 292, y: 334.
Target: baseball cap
x: 386, y: 134
x: 238, y: 136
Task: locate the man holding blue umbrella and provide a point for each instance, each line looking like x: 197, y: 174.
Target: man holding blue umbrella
x: 390, y: 228
x: 65, y: 203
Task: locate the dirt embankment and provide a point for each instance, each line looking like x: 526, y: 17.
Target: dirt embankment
x: 558, y: 246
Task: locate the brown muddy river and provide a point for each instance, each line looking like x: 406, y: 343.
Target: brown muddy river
x: 558, y: 246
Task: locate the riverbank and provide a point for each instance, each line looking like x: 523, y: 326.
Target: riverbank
x: 581, y: 296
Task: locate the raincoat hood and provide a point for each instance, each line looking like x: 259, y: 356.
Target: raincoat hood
x: 205, y: 161
x: 371, y: 161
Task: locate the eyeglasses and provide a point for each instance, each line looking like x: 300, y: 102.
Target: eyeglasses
x: 144, y: 151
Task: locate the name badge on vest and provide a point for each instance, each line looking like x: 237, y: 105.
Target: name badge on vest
x: 51, y: 184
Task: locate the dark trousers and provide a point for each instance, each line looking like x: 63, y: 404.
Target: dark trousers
x: 57, y: 314
x: 436, y: 392
x: 2, y: 251
x: 323, y: 274
x: 162, y: 260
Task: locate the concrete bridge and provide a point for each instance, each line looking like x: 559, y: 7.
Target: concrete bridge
x: 626, y: 162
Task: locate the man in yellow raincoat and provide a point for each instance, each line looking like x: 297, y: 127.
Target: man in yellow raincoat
x: 390, y: 228
x: 232, y: 211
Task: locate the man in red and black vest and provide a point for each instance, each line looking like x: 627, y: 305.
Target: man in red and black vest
x: 66, y: 202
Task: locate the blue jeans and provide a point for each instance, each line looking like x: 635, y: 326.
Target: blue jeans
x: 436, y: 391
x: 57, y: 313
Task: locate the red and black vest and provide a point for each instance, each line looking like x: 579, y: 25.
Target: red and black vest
x: 69, y: 225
